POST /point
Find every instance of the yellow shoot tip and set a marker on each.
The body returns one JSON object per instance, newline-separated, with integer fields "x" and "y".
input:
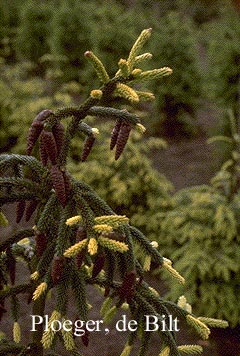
{"x": 126, "y": 92}
{"x": 173, "y": 272}
{"x": 200, "y": 327}
{"x": 95, "y": 131}
{"x": 166, "y": 260}
{"x": 88, "y": 53}
{"x": 140, "y": 128}
{"x": 123, "y": 66}
{"x": 92, "y": 246}
{"x": 182, "y": 303}
{"x": 154, "y": 244}
{"x": 165, "y": 351}
{"x": 73, "y": 220}
{"x": 154, "y": 291}
{"x": 98, "y": 66}
{"x": 127, "y": 350}
{"x": 125, "y": 306}
{"x": 39, "y": 290}
{"x": 34, "y": 276}
{"x": 112, "y": 220}
{"x": 75, "y": 249}
{"x": 16, "y": 332}
{"x": 113, "y": 244}
{"x": 190, "y": 349}
{"x": 96, "y": 94}
{"x": 137, "y": 47}
{"x": 3, "y": 219}
{"x": 101, "y": 228}
{"x": 147, "y": 263}
{"x": 214, "y": 323}
{"x": 136, "y": 72}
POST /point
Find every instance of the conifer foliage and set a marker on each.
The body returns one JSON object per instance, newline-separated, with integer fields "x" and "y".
{"x": 77, "y": 239}
{"x": 201, "y": 233}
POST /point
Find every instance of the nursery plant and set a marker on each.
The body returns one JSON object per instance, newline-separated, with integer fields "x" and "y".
{"x": 177, "y": 99}
{"x": 77, "y": 239}
{"x": 24, "y": 97}
{"x": 33, "y": 32}
{"x": 223, "y": 52}
{"x": 201, "y": 234}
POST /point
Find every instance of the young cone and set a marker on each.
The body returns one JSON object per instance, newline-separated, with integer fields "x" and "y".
{"x": 88, "y": 144}
{"x": 11, "y": 265}
{"x": 67, "y": 183}
{"x": 81, "y": 233}
{"x": 98, "y": 264}
{"x": 58, "y": 133}
{"x": 36, "y": 129}
{"x": 122, "y": 139}
{"x": 85, "y": 338}
{"x": 128, "y": 286}
{"x": 50, "y": 146}
{"x": 42, "y": 152}
{"x": 41, "y": 243}
{"x": 32, "y": 205}
{"x": 20, "y": 208}
{"x": 80, "y": 258}
{"x": 58, "y": 184}
{"x": 57, "y": 268}
{"x": 115, "y": 133}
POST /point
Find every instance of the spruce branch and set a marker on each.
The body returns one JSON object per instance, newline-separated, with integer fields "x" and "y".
{"x": 12, "y": 291}
{"x": 79, "y": 240}
{"x": 15, "y": 197}
{"x": 108, "y": 112}
{"x": 15, "y": 238}
{"x": 8, "y": 161}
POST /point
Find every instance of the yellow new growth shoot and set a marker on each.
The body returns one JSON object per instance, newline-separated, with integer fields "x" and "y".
{"x": 137, "y": 47}
{"x": 34, "y": 276}
{"x": 126, "y": 92}
{"x": 16, "y": 332}
{"x": 48, "y": 335}
{"x": 39, "y": 290}
{"x": 113, "y": 244}
{"x": 112, "y": 220}
{"x": 199, "y": 326}
{"x": 172, "y": 271}
{"x": 98, "y": 66}
{"x": 127, "y": 350}
{"x": 102, "y": 228}
{"x": 190, "y": 350}
{"x": 75, "y": 249}
{"x": 214, "y": 323}
{"x": 68, "y": 340}
{"x": 165, "y": 351}
{"x": 73, "y": 220}
{"x": 92, "y": 246}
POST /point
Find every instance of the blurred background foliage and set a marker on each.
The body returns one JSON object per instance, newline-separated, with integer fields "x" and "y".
{"x": 42, "y": 66}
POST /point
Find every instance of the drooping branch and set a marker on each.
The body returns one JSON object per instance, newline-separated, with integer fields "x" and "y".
{"x": 15, "y": 238}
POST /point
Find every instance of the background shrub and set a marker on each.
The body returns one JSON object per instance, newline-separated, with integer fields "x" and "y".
{"x": 177, "y": 99}
{"x": 202, "y": 234}
{"x": 33, "y": 32}
{"x": 224, "y": 60}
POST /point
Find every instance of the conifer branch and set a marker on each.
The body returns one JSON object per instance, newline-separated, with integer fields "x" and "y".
{"x": 79, "y": 240}
{"x": 12, "y": 291}
{"x": 15, "y": 238}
